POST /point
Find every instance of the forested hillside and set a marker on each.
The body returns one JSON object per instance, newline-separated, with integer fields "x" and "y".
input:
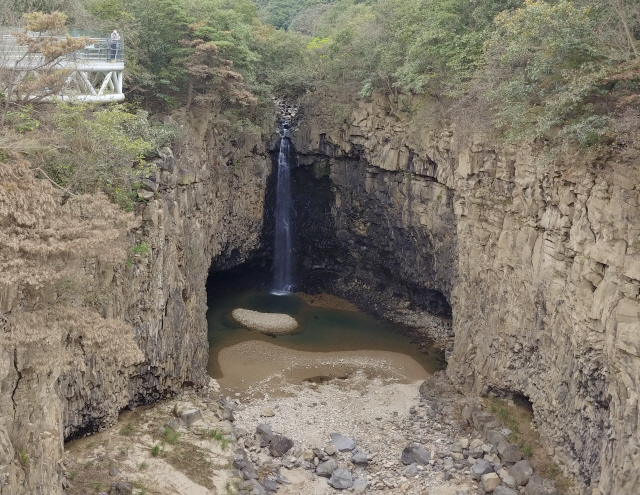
{"x": 561, "y": 73}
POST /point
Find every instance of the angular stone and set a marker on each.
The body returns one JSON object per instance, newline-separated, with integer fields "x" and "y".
{"x": 415, "y": 454}
{"x": 270, "y": 484}
{"x": 490, "y": 481}
{"x": 481, "y": 418}
{"x": 190, "y": 416}
{"x": 510, "y": 481}
{"x": 330, "y": 450}
{"x": 121, "y": 488}
{"x": 326, "y": 468}
{"x": 495, "y": 437}
{"x": 280, "y": 445}
{"x": 342, "y": 442}
{"x": 341, "y": 479}
{"x": 540, "y": 486}
{"x": 481, "y": 468}
{"x": 264, "y": 434}
{"x": 359, "y": 458}
{"x": 521, "y": 471}
{"x": 509, "y": 452}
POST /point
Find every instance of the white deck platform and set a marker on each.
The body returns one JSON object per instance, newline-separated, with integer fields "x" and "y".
{"x": 94, "y": 74}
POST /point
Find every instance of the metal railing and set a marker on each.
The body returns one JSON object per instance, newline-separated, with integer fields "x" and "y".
{"x": 96, "y": 50}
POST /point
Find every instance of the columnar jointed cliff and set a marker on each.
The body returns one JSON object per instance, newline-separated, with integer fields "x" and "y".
{"x": 100, "y": 309}
{"x": 546, "y": 279}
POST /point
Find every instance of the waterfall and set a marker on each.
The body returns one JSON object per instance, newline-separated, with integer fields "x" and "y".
{"x": 282, "y": 282}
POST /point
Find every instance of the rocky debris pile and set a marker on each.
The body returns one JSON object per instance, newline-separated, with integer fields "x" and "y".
{"x": 267, "y": 323}
{"x": 497, "y": 464}
{"x": 286, "y": 111}
{"x": 375, "y": 440}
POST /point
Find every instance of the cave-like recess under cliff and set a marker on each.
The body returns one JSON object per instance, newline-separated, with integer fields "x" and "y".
{"x": 372, "y": 249}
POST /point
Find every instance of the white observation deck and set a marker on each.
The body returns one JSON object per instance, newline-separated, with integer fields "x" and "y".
{"x": 94, "y": 73}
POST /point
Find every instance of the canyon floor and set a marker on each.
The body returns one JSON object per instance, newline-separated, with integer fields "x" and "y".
{"x": 371, "y": 397}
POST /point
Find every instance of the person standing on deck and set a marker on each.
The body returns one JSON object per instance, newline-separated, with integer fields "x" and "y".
{"x": 114, "y": 44}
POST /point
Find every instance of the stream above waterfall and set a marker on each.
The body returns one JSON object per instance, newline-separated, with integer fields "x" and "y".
{"x": 355, "y": 338}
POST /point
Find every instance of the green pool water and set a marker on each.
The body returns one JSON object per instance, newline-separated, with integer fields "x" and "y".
{"x": 320, "y": 329}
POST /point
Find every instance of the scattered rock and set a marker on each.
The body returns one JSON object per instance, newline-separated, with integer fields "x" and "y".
{"x": 490, "y": 481}
{"x": 326, "y": 468}
{"x": 264, "y": 434}
{"x": 267, "y": 413}
{"x": 481, "y": 468}
{"x": 509, "y": 452}
{"x": 191, "y": 416}
{"x": 280, "y": 445}
{"x": 341, "y": 479}
{"x": 521, "y": 471}
{"x": 415, "y": 454}
{"x": 359, "y": 458}
{"x": 114, "y": 471}
{"x": 342, "y": 443}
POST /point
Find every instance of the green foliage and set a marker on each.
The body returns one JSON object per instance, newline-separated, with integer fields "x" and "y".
{"x": 21, "y": 119}
{"x": 214, "y": 434}
{"x": 24, "y": 457}
{"x": 105, "y": 149}
{"x": 155, "y": 450}
{"x": 143, "y": 465}
{"x": 170, "y": 435}
{"x": 127, "y": 429}
{"x": 141, "y": 248}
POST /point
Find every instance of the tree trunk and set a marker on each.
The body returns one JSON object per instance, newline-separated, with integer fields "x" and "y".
{"x": 189, "y": 92}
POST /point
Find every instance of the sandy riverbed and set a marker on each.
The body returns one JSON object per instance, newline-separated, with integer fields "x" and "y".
{"x": 249, "y": 364}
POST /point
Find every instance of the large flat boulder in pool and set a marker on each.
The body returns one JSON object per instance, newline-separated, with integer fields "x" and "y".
{"x": 269, "y": 323}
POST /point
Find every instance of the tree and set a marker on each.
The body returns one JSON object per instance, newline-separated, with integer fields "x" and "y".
{"x": 30, "y": 63}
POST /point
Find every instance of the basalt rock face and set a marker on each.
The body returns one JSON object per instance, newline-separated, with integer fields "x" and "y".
{"x": 102, "y": 309}
{"x": 541, "y": 265}
{"x": 376, "y": 234}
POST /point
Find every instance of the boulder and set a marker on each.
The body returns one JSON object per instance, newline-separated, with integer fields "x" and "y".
{"x": 270, "y": 484}
{"x": 360, "y": 458}
{"x": 481, "y": 418}
{"x": 490, "y": 481}
{"x": 509, "y": 452}
{"x": 495, "y": 436}
{"x": 415, "y": 454}
{"x": 540, "y": 486}
{"x": 264, "y": 434}
{"x": 246, "y": 468}
{"x": 481, "y": 468}
{"x": 280, "y": 445}
{"x": 342, "y": 442}
{"x": 326, "y": 468}
{"x": 521, "y": 471}
{"x": 190, "y": 416}
{"x": 341, "y": 479}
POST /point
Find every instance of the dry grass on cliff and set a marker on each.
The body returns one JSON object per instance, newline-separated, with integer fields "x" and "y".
{"x": 519, "y": 419}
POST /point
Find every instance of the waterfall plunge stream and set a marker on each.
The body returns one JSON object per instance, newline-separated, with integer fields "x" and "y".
{"x": 282, "y": 283}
